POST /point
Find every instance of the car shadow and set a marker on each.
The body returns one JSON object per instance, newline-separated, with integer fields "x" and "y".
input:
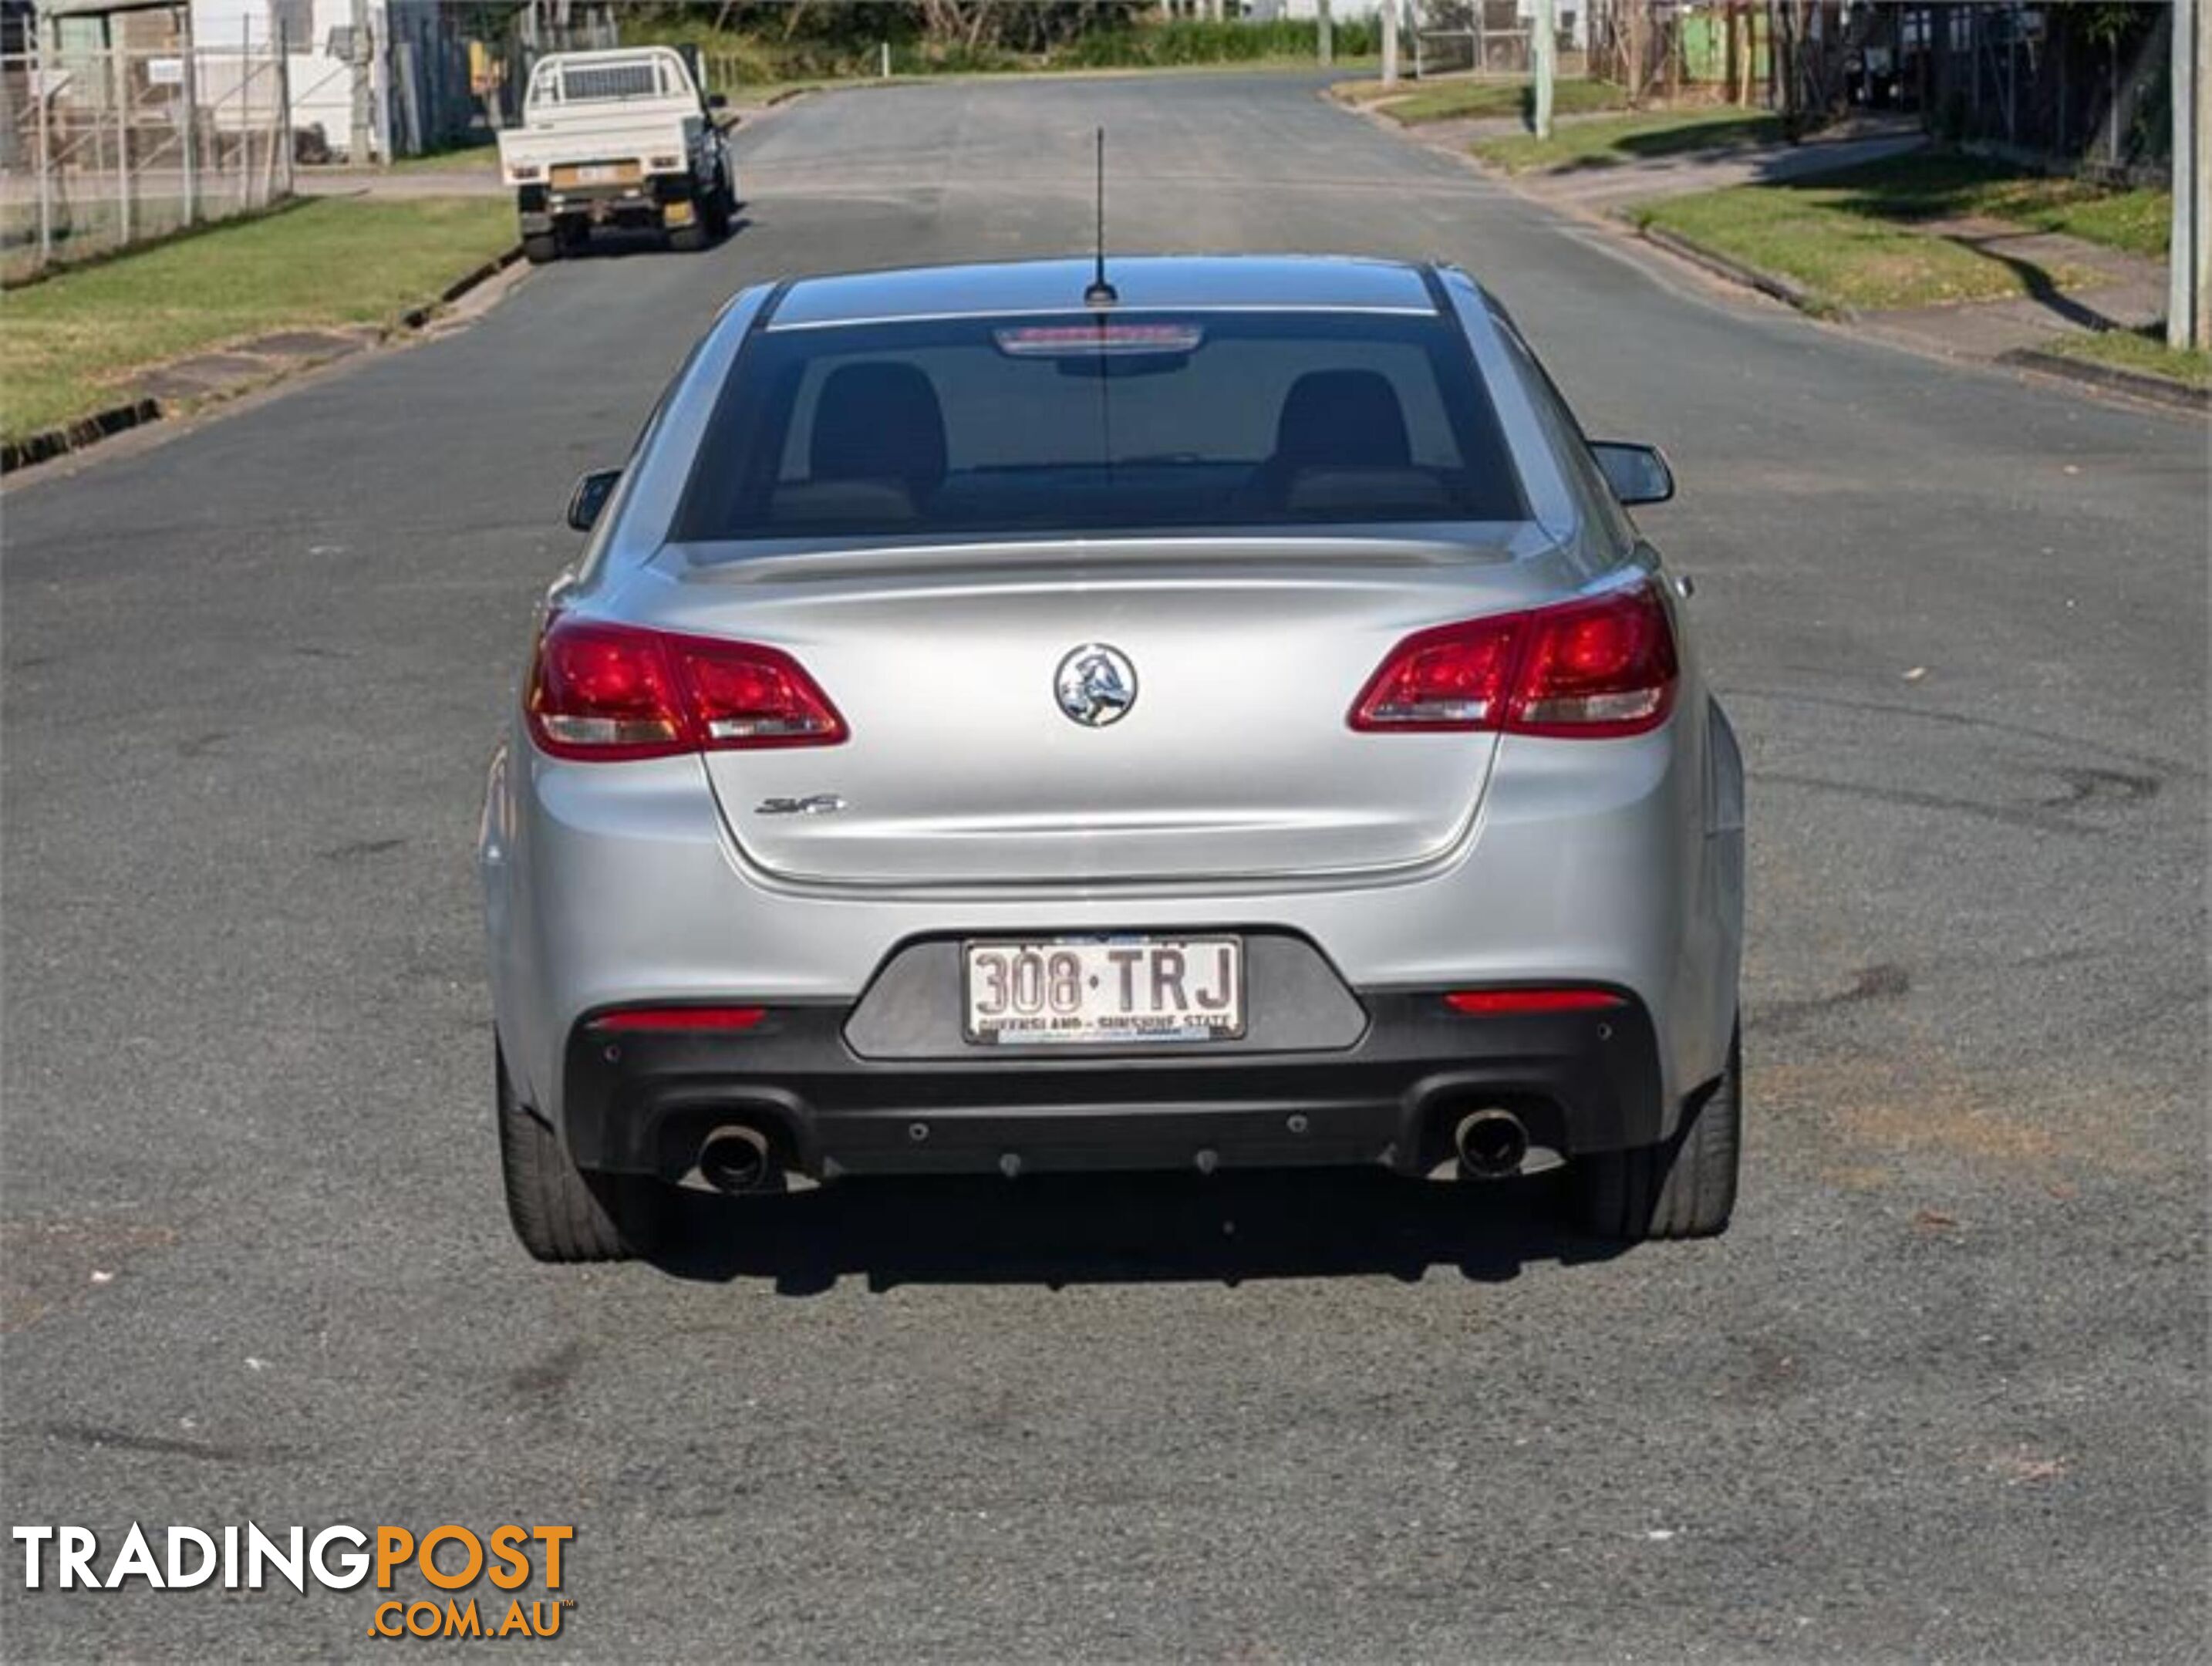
{"x": 621, "y": 242}
{"x": 1056, "y": 1229}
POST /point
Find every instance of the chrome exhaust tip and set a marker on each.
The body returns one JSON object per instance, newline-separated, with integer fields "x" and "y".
{"x": 1491, "y": 1143}
{"x": 736, "y": 1158}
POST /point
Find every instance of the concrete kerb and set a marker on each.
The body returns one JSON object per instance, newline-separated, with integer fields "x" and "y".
{"x": 1736, "y": 271}
{"x": 2114, "y": 378}
{"x": 50, "y": 443}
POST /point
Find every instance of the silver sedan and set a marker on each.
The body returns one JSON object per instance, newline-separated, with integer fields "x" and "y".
{"x": 1218, "y": 716}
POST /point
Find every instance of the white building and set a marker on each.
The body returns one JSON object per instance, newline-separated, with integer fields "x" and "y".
{"x": 321, "y": 84}
{"x": 430, "y": 63}
{"x": 1339, "y": 11}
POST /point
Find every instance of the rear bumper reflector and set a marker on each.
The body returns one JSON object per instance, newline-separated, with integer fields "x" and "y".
{"x": 1532, "y": 1001}
{"x": 681, "y": 1018}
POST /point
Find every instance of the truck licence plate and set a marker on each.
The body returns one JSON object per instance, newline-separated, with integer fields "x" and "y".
{"x": 596, "y": 174}
{"x": 1094, "y": 990}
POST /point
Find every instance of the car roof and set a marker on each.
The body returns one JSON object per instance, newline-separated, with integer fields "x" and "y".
{"x": 1154, "y": 283}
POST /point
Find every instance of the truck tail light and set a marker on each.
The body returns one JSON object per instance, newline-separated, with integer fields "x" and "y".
{"x": 1588, "y": 669}
{"x": 606, "y": 692}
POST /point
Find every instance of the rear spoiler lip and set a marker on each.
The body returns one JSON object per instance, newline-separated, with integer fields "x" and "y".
{"x": 1425, "y": 543}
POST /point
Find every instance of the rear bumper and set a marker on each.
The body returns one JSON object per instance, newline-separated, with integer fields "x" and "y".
{"x": 645, "y": 201}
{"x": 642, "y": 1102}
{"x": 612, "y": 884}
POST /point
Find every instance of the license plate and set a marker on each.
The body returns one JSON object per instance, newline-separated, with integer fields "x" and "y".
{"x": 595, "y": 174}
{"x": 1095, "y": 990}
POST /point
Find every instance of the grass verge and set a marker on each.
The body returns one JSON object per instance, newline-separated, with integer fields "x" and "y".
{"x": 1845, "y": 259}
{"x": 72, "y": 343}
{"x": 1471, "y": 100}
{"x": 1936, "y": 186}
{"x": 2143, "y": 351}
{"x": 1631, "y": 138}
{"x": 1871, "y": 237}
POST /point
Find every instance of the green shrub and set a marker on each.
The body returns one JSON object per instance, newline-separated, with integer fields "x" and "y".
{"x": 848, "y": 39}
{"x": 1186, "y": 41}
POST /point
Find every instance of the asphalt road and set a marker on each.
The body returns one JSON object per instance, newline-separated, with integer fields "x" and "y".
{"x": 1941, "y": 1392}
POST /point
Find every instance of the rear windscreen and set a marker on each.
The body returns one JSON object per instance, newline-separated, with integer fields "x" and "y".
{"x": 1092, "y": 423}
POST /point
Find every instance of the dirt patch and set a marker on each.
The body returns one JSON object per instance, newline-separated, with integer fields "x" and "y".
{"x": 2025, "y": 1466}
{"x": 1858, "y": 1176}
{"x": 47, "y": 1265}
{"x": 1904, "y": 1107}
{"x": 1872, "y": 1115}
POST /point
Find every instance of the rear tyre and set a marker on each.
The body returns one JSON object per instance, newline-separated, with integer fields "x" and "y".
{"x": 540, "y": 247}
{"x": 559, "y": 1211}
{"x": 1681, "y": 1188}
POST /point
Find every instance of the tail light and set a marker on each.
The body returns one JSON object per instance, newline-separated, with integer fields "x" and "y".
{"x": 1588, "y": 669}
{"x": 1456, "y": 677}
{"x": 1605, "y": 666}
{"x": 609, "y": 692}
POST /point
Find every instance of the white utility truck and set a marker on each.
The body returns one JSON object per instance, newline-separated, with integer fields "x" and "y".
{"x": 617, "y": 138}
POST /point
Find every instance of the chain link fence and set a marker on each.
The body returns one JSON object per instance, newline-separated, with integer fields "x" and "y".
{"x": 1473, "y": 51}
{"x": 104, "y": 147}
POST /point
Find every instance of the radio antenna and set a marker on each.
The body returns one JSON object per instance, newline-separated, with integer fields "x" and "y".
{"x": 1099, "y": 292}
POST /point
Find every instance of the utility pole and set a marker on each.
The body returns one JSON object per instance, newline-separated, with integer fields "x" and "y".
{"x": 364, "y": 91}
{"x": 1545, "y": 51}
{"x": 1324, "y": 35}
{"x": 118, "y": 63}
{"x": 1390, "y": 43}
{"x": 2189, "y": 290}
{"x": 42, "y": 102}
{"x": 284, "y": 100}
{"x": 190, "y": 64}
